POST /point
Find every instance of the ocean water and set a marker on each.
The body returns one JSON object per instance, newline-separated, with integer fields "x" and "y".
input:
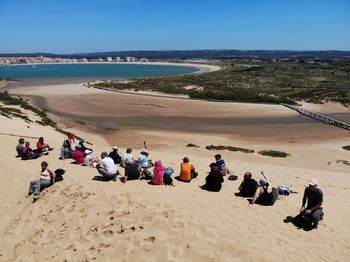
{"x": 99, "y": 71}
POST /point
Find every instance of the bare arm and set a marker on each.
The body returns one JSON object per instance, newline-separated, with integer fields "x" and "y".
{"x": 257, "y": 194}
{"x": 53, "y": 175}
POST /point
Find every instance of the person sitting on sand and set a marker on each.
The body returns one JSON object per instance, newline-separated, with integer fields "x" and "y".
{"x": 132, "y": 172}
{"x": 20, "y": 146}
{"x": 78, "y": 155}
{"x": 220, "y": 165}
{"x": 115, "y": 155}
{"x": 106, "y": 167}
{"x": 143, "y": 159}
{"x": 214, "y": 180}
{"x": 248, "y": 186}
{"x": 89, "y": 159}
{"x": 47, "y": 178}
{"x": 83, "y": 147}
{"x": 66, "y": 150}
{"x": 262, "y": 195}
{"x": 314, "y": 198}
{"x": 127, "y": 157}
{"x": 28, "y": 153}
{"x": 42, "y": 146}
{"x": 187, "y": 170}
{"x": 158, "y": 174}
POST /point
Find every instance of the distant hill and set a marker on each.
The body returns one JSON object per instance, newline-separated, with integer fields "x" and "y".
{"x": 205, "y": 54}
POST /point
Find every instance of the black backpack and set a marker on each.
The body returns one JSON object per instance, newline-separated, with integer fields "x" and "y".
{"x": 302, "y": 221}
{"x": 59, "y": 172}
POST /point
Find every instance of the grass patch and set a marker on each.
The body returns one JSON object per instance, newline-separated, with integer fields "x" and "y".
{"x": 80, "y": 122}
{"x": 345, "y": 162}
{"x": 110, "y": 129}
{"x": 273, "y": 153}
{"x": 191, "y": 145}
{"x": 229, "y": 148}
{"x": 346, "y": 148}
{"x": 13, "y": 112}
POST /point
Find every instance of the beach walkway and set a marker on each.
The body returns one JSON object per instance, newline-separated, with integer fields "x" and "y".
{"x": 319, "y": 117}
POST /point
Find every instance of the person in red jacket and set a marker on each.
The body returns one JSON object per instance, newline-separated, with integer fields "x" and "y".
{"x": 41, "y": 146}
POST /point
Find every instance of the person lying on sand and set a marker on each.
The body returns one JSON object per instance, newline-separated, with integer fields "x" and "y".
{"x": 114, "y": 154}
{"x": 20, "y": 146}
{"x": 262, "y": 195}
{"x": 132, "y": 172}
{"x": 220, "y": 165}
{"x": 28, "y": 153}
{"x": 248, "y": 186}
{"x": 214, "y": 180}
{"x": 187, "y": 171}
{"x": 42, "y": 146}
{"x": 47, "y": 178}
{"x": 106, "y": 167}
{"x": 314, "y": 198}
{"x": 66, "y": 150}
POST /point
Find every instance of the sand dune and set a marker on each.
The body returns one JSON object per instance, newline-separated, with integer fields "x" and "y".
{"x": 80, "y": 219}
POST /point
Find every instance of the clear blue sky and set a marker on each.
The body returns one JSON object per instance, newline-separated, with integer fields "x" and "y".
{"x": 70, "y": 26}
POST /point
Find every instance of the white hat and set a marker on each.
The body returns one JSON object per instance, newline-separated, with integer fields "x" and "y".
{"x": 115, "y": 148}
{"x": 263, "y": 182}
{"x": 313, "y": 182}
{"x": 87, "y": 152}
{"x": 144, "y": 151}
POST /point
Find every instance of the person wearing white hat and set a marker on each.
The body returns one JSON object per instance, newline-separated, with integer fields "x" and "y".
{"x": 114, "y": 154}
{"x": 143, "y": 159}
{"x": 314, "y": 198}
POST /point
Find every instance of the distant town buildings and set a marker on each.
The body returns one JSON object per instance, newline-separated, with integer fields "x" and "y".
{"x": 59, "y": 60}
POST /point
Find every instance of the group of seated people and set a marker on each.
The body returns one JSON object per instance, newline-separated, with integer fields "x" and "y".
{"x": 260, "y": 193}
{"x": 26, "y": 152}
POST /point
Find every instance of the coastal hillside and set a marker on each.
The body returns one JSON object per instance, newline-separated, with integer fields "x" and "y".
{"x": 80, "y": 219}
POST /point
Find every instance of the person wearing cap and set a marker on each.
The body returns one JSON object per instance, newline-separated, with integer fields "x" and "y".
{"x": 106, "y": 167}
{"x": 115, "y": 155}
{"x": 78, "y": 155}
{"x": 214, "y": 180}
{"x": 262, "y": 195}
{"x": 248, "y": 186}
{"x": 220, "y": 165}
{"x": 314, "y": 198}
{"x": 187, "y": 170}
{"x": 143, "y": 159}
{"x": 127, "y": 157}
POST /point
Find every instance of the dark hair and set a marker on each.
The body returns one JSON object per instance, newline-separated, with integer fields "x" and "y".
{"x": 41, "y": 138}
{"x": 128, "y": 150}
{"x": 21, "y": 140}
{"x": 218, "y": 156}
{"x": 185, "y": 159}
{"x": 44, "y": 163}
{"x": 104, "y": 154}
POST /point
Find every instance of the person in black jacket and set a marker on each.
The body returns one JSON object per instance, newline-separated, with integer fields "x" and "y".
{"x": 115, "y": 155}
{"x": 214, "y": 179}
{"x": 248, "y": 186}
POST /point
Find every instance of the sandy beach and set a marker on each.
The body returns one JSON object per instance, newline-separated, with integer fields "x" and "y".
{"x": 80, "y": 219}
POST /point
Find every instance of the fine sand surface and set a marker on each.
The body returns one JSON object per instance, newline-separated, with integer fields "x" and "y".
{"x": 80, "y": 219}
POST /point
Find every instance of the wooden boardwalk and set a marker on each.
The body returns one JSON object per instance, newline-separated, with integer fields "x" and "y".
{"x": 319, "y": 117}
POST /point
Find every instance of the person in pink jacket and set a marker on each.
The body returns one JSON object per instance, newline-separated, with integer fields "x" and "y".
{"x": 158, "y": 173}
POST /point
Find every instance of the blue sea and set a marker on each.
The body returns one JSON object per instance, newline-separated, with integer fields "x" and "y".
{"x": 98, "y": 71}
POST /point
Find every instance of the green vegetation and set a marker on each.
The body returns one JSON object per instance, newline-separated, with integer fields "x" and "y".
{"x": 110, "y": 129}
{"x": 229, "y": 148}
{"x": 13, "y": 112}
{"x": 6, "y": 99}
{"x": 346, "y": 148}
{"x": 284, "y": 81}
{"x": 345, "y": 162}
{"x": 191, "y": 145}
{"x": 273, "y": 153}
